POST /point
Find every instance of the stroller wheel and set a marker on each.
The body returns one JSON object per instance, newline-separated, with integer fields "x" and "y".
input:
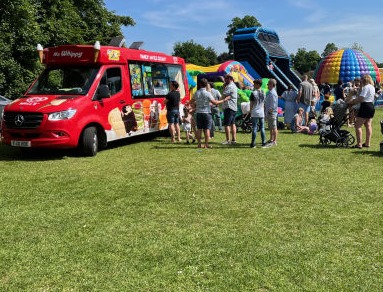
{"x": 339, "y": 143}
{"x": 324, "y": 141}
{"x": 248, "y": 129}
{"x": 350, "y": 140}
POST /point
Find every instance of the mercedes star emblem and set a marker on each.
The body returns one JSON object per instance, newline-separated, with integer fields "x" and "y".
{"x": 19, "y": 120}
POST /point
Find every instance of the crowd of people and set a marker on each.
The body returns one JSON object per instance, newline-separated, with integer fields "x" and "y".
{"x": 202, "y": 114}
{"x": 358, "y": 95}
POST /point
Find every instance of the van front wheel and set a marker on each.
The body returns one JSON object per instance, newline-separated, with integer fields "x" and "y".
{"x": 89, "y": 142}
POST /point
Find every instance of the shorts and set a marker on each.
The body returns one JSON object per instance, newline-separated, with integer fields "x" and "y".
{"x": 229, "y": 117}
{"x": 173, "y": 117}
{"x": 366, "y": 110}
{"x": 272, "y": 120}
{"x": 186, "y": 126}
{"x": 204, "y": 121}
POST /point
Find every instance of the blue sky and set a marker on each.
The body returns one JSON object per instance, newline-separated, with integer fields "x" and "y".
{"x": 299, "y": 23}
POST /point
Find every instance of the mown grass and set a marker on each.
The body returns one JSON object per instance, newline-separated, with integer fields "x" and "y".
{"x": 156, "y": 216}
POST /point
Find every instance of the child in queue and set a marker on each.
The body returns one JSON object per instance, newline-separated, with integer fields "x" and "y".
{"x": 187, "y": 122}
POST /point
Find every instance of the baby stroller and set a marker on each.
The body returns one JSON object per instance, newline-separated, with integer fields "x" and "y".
{"x": 331, "y": 129}
{"x": 244, "y": 123}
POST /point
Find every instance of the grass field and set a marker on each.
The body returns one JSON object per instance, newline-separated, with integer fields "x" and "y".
{"x": 156, "y": 216}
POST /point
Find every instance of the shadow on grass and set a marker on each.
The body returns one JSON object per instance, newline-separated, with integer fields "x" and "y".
{"x": 363, "y": 151}
{"x": 318, "y": 146}
{"x": 368, "y": 152}
{"x": 167, "y": 145}
{"x": 8, "y": 153}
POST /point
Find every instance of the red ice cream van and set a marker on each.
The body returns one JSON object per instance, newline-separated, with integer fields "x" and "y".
{"x": 88, "y": 96}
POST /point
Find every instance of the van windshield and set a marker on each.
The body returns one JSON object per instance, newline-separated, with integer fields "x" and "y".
{"x": 64, "y": 80}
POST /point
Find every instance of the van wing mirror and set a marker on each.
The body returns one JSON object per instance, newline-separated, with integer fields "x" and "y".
{"x": 103, "y": 91}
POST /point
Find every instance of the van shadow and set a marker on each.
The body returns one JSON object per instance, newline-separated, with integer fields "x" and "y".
{"x": 8, "y": 153}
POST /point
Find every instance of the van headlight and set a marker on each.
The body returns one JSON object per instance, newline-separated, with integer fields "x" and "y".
{"x": 63, "y": 115}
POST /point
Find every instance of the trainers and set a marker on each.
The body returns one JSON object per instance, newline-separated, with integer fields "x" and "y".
{"x": 252, "y": 146}
{"x": 271, "y": 144}
{"x": 226, "y": 143}
{"x": 233, "y": 142}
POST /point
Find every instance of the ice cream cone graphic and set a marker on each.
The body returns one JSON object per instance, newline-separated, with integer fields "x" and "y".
{"x": 40, "y": 50}
{"x": 96, "y": 50}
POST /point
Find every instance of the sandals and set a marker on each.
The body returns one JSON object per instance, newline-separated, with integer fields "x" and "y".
{"x": 364, "y": 145}
{"x": 357, "y": 147}
{"x": 205, "y": 147}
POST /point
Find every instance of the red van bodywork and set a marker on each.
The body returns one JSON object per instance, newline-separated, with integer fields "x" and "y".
{"x": 86, "y": 98}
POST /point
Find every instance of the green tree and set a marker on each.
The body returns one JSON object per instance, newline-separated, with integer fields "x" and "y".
{"x": 330, "y": 47}
{"x": 236, "y": 23}
{"x": 223, "y": 57}
{"x": 195, "y": 53}
{"x": 304, "y": 61}
{"x": 24, "y": 23}
{"x": 357, "y": 46}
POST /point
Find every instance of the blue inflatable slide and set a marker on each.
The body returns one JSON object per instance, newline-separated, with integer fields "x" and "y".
{"x": 259, "y": 49}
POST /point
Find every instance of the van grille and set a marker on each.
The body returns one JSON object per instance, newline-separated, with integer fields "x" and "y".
{"x": 15, "y": 120}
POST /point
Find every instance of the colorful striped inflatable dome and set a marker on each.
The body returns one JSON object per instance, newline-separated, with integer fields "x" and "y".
{"x": 345, "y": 65}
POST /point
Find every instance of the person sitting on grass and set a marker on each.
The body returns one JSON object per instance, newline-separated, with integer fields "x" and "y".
{"x": 297, "y": 123}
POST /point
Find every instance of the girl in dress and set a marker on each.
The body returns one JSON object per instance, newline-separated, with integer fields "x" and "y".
{"x": 290, "y": 98}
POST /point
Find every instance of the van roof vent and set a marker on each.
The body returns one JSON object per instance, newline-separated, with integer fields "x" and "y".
{"x": 118, "y": 41}
{"x": 136, "y": 45}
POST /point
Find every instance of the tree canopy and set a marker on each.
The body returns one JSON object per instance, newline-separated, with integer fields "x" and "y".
{"x": 195, "y": 53}
{"x": 330, "y": 47}
{"x": 25, "y": 23}
{"x": 236, "y": 23}
{"x": 304, "y": 61}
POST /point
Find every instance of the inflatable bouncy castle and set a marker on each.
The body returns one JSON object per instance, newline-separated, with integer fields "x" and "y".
{"x": 234, "y": 68}
{"x": 346, "y": 65}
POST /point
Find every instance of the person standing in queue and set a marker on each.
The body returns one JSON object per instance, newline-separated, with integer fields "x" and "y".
{"x": 257, "y": 110}
{"x": 172, "y": 102}
{"x": 304, "y": 97}
{"x": 271, "y": 112}
{"x": 366, "y": 112}
{"x": 202, "y": 100}
{"x": 230, "y": 95}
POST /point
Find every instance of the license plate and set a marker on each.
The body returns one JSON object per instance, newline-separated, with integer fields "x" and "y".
{"x": 21, "y": 143}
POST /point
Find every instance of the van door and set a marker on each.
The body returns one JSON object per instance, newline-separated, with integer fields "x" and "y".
{"x": 110, "y": 102}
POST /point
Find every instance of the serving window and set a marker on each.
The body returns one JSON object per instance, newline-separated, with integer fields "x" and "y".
{"x": 153, "y": 79}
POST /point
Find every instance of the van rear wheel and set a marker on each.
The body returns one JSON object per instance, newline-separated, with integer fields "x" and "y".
{"x": 89, "y": 142}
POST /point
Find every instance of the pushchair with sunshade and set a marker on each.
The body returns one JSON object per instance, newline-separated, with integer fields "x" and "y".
{"x": 243, "y": 121}
{"x": 331, "y": 131}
